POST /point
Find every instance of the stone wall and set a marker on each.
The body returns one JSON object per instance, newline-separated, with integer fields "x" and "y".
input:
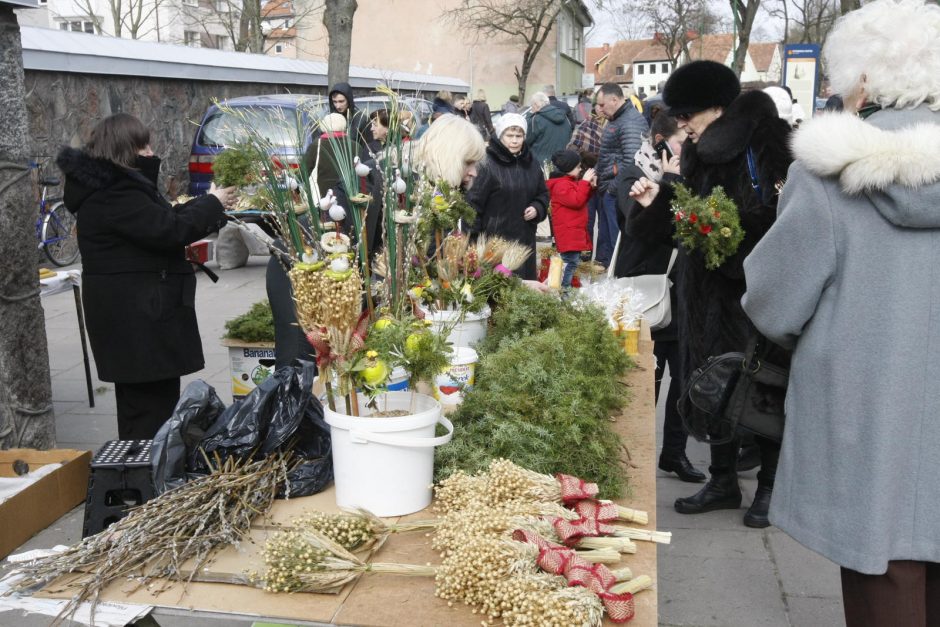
{"x": 64, "y": 107}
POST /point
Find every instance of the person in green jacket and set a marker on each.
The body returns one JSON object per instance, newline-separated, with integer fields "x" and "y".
{"x": 549, "y": 129}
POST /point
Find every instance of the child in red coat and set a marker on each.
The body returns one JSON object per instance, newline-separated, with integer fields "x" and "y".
{"x": 569, "y": 196}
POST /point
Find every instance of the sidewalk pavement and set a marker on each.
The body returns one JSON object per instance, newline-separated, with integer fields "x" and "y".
{"x": 716, "y": 572}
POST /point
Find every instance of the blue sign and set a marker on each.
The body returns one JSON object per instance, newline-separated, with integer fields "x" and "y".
{"x": 801, "y": 73}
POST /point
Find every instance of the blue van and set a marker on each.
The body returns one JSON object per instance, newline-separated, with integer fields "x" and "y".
{"x": 279, "y": 118}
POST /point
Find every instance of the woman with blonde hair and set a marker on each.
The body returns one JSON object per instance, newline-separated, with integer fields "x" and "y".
{"x": 847, "y": 277}
{"x": 450, "y": 151}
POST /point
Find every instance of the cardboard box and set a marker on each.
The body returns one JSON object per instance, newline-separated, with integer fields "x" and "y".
{"x": 250, "y": 363}
{"x": 30, "y": 511}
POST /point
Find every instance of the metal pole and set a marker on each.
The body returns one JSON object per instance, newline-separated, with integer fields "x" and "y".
{"x": 77, "y": 292}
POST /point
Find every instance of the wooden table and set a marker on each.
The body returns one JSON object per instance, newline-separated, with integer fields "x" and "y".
{"x": 390, "y": 600}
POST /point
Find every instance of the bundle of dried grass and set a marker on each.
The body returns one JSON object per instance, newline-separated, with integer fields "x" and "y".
{"x": 155, "y": 540}
{"x": 307, "y": 561}
{"x": 358, "y": 529}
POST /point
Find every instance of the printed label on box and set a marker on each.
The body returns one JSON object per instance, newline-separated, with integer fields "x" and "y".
{"x": 250, "y": 365}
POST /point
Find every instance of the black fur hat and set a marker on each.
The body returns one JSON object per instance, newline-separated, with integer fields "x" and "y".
{"x": 700, "y": 85}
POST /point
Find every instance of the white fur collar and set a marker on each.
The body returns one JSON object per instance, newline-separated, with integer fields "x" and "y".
{"x": 866, "y": 157}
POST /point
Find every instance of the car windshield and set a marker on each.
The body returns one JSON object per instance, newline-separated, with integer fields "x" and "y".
{"x": 276, "y": 127}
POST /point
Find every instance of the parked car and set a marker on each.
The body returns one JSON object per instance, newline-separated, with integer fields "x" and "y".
{"x": 286, "y": 122}
{"x": 421, "y": 108}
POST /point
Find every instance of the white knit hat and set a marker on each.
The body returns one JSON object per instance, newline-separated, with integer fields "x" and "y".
{"x": 783, "y": 101}
{"x": 508, "y": 120}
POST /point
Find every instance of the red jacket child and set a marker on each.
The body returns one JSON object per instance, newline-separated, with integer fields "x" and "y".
{"x": 569, "y": 196}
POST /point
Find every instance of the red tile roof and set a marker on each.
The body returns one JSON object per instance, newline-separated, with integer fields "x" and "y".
{"x": 762, "y": 54}
{"x": 712, "y": 48}
{"x": 277, "y": 8}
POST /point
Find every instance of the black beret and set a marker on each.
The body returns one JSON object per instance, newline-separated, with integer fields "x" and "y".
{"x": 566, "y": 160}
{"x": 700, "y": 85}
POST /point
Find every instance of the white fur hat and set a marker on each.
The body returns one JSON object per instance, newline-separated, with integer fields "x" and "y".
{"x": 333, "y": 122}
{"x": 783, "y": 101}
{"x": 508, "y": 120}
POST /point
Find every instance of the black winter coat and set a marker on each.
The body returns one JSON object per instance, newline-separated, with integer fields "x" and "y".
{"x": 139, "y": 290}
{"x": 505, "y": 186}
{"x": 710, "y": 318}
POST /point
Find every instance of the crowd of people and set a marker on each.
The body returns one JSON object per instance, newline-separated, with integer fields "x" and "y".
{"x": 841, "y": 223}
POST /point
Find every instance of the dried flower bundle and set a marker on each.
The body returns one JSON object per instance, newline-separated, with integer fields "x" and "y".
{"x": 506, "y": 481}
{"x": 156, "y": 539}
{"x": 357, "y": 530}
{"x": 308, "y": 561}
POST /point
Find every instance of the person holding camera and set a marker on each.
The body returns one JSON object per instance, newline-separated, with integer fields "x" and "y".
{"x": 139, "y": 290}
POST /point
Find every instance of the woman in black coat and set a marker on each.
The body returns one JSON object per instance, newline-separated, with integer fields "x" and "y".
{"x": 654, "y": 252}
{"x": 139, "y": 290}
{"x": 509, "y": 193}
{"x": 723, "y": 129}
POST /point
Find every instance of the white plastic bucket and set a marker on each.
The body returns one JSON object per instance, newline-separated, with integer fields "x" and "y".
{"x": 449, "y": 385}
{"x": 386, "y": 465}
{"x": 467, "y": 332}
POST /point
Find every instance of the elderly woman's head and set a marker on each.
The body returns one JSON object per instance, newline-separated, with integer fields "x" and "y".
{"x": 888, "y": 53}
{"x": 538, "y": 100}
{"x": 450, "y": 150}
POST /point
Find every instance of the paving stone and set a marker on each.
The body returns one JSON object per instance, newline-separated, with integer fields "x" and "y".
{"x": 815, "y": 612}
{"x": 719, "y": 592}
{"x": 803, "y": 572}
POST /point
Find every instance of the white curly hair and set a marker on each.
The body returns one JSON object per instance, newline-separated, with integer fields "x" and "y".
{"x": 896, "y": 45}
{"x": 448, "y": 147}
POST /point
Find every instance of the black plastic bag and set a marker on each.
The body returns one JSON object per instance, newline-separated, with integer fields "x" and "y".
{"x": 178, "y": 440}
{"x": 281, "y": 414}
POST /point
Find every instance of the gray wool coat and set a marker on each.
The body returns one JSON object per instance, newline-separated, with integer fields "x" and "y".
{"x": 849, "y": 276}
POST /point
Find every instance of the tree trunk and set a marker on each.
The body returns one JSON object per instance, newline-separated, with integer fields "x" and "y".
{"x": 744, "y": 14}
{"x": 26, "y": 417}
{"x": 521, "y": 79}
{"x": 338, "y": 19}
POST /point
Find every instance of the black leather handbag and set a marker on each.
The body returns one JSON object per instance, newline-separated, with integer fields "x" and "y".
{"x": 738, "y": 392}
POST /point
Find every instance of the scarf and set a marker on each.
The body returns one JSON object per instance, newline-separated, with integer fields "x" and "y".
{"x": 647, "y": 160}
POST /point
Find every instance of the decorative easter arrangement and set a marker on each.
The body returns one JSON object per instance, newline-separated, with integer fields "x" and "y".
{"x": 709, "y": 225}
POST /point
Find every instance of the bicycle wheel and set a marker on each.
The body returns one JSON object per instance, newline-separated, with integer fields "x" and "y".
{"x": 59, "y": 236}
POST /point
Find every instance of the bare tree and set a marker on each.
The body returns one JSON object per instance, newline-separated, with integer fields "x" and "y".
{"x": 132, "y": 18}
{"x": 806, "y": 21}
{"x": 673, "y": 23}
{"x": 26, "y": 416}
{"x": 338, "y": 19}
{"x": 744, "y": 12}
{"x": 528, "y": 22}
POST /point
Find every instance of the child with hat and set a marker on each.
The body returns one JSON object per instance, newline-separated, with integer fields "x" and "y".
{"x": 570, "y": 192}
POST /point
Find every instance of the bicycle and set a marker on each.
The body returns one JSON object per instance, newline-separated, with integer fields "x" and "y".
{"x": 56, "y": 228}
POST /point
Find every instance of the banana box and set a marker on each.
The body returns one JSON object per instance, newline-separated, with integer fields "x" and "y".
{"x": 250, "y": 363}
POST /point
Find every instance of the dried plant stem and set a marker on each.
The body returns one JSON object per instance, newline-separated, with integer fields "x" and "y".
{"x": 633, "y": 586}
{"x": 181, "y": 526}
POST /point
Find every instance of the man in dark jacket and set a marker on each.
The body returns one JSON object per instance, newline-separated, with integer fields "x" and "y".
{"x": 342, "y": 102}
{"x": 549, "y": 129}
{"x": 620, "y": 142}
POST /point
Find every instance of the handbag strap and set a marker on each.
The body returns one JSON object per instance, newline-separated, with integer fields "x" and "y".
{"x": 613, "y": 258}
{"x": 672, "y": 261}
{"x": 752, "y": 170}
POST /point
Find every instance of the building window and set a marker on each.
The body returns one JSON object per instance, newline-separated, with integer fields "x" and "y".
{"x": 191, "y": 3}
{"x": 221, "y": 42}
{"x": 78, "y": 26}
{"x": 222, "y": 6}
{"x": 192, "y": 38}
{"x": 43, "y": 1}
{"x": 640, "y": 69}
{"x": 665, "y": 68}
{"x": 278, "y": 48}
